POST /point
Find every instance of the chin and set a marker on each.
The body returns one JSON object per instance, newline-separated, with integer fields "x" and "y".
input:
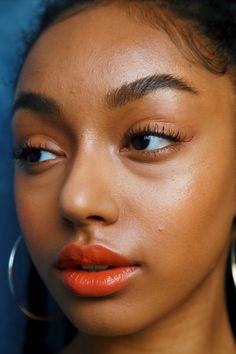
{"x": 115, "y": 315}
{"x": 104, "y": 329}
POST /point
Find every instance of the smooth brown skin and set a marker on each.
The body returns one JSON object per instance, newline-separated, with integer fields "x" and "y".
{"x": 172, "y": 213}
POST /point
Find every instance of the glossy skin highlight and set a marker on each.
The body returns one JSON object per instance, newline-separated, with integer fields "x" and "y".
{"x": 170, "y": 212}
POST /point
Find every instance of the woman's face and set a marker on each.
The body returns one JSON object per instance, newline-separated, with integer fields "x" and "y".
{"x": 135, "y": 160}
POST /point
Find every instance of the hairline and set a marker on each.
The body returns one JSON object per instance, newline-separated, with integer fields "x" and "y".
{"x": 147, "y": 13}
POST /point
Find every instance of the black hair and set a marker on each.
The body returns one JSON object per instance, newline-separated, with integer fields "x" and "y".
{"x": 208, "y": 27}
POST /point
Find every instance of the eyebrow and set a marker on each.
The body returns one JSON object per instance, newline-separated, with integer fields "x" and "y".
{"x": 137, "y": 89}
{"x": 128, "y": 92}
{"x": 36, "y": 102}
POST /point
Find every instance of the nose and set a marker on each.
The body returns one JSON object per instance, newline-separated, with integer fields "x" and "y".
{"x": 86, "y": 196}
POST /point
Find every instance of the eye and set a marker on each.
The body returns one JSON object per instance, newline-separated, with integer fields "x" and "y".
{"x": 27, "y": 154}
{"x": 36, "y": 155}
{"x": 151, "y": 138}
{"x": 153, "y": 141}
{"x": 148, "y": 142}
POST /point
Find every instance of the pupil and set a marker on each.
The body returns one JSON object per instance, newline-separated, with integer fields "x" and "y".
{"x": 141, "y": 142}
{"x": 33, "y": 155}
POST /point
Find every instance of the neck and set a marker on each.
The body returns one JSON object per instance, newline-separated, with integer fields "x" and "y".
{"x": 200, "y": 325}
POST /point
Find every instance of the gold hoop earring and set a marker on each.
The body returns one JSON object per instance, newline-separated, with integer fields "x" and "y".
{"x": 233, "y": 264}
{"x": 23, "y": 308}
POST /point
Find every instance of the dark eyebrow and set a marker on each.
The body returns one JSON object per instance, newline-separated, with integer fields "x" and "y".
{"x": 36, "y": 102}
{"x": 130, "y": 92}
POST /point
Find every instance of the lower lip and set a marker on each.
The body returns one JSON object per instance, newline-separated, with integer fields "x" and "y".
{"x": 97, "y": 284}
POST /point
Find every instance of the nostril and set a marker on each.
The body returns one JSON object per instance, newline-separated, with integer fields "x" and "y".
{"x": 70, "y": 224}
{"x": 96, "y": 218}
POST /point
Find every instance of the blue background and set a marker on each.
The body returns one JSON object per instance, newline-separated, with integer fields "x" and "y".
{"x": 15, "y": 16}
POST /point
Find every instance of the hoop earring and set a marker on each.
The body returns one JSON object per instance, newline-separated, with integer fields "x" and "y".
{"x": 26, "y": 311}
{"x": 233, "y": 264}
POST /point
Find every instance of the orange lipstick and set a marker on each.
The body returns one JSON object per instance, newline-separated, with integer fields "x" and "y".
{"x": 94, "y": 270}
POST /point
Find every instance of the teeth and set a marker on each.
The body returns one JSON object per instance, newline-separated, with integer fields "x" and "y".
{"x": 93, "y": 268}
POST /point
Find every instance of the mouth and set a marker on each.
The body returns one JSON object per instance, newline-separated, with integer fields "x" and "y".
{"x": 93, "y": 270}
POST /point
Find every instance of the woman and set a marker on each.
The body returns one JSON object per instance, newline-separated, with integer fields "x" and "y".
{"x": 124, "y": 140}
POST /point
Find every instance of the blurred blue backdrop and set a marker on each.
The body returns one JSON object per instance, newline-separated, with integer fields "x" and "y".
{"x": 15, "y": 16}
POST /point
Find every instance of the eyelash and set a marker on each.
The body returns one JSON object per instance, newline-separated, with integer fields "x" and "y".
{"x": 150, "y": 130}
{"x": 20, "y": 151}
{"x": 163, "y": 132}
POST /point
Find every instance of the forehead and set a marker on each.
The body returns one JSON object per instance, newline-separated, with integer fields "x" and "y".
{"x": 104, "y": 47}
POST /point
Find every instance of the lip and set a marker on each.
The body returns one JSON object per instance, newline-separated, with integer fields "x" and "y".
{"x": 93, "y": 283}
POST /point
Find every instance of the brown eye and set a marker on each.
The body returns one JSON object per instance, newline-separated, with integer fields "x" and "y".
{"x": 34, "y": 155}
{"x": 31, "y": 155}
{"x": 148, "y": 142}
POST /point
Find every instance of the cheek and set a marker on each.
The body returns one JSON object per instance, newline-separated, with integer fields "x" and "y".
{"x": 186, "y": 220}
{"x": 37, "y": 209}
{"x": 181, "y": 228}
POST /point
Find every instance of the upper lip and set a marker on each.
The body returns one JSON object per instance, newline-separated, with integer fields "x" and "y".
{"x": 75, "y": 255}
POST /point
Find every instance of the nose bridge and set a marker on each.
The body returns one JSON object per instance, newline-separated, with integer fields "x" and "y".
{"x": 86, "y": 194}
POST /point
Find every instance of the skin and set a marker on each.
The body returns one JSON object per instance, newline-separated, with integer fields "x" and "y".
{"x": 171, "y": 213}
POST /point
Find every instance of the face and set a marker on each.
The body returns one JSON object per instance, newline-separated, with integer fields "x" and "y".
{"x": 121, "y": 154}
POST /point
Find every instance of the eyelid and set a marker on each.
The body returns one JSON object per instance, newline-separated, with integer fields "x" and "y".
{"x": 154, "y": 128}
{"x": 149, "y": 156}
{"x": 41, "y": 143}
